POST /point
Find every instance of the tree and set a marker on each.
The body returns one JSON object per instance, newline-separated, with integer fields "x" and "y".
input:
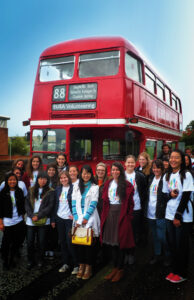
{"x": 188, "y": 134}
{"x": 18, "y": 145}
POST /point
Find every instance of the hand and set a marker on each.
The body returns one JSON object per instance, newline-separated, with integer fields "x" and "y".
{"x": 53, "y": 225}
{"x": 77, "y": 225}
{"x": 174, "y": 193}
{"x": 71, "y": 217}
{"x": 176, "y": 222}
{"x": 35, "y": 218}
{"x": 84, "y": 222}
{"x": 2, "y": 227}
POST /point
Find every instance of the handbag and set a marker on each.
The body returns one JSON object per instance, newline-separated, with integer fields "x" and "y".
{"x": 40, "y": 222}
{"x": 82, "y": 236}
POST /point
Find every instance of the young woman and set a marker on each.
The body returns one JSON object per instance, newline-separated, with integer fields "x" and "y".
{"x": 144, "y": 164}
{"x": 165, "y": 161}
{"x": 33, "y": 168}
{"x": 20, "y": 164}
{"x": 116, "y": 227}
{"x": 137, "y": 179}
{"x": 101, "y": 178}
{"x": 52, "y": 172}
{"x": 178, "y": 185}
{"x": 84, "y": 203}
{"x": 74, "y": 174}
{"x": 155, "y": 212}
{"x": 63, "y": 219}
{"x": 61, "y": 162}
{"x": 39, "y": 205}
{"x": 11, "y": 219}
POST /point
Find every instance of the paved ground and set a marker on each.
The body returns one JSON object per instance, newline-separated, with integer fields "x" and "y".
{"x": 141, "y": 282}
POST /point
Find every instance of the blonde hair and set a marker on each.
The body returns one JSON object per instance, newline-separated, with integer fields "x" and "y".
{"x": 147, "y": 168}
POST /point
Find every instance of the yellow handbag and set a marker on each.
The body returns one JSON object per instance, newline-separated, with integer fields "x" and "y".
{"x": 82, "y": 236}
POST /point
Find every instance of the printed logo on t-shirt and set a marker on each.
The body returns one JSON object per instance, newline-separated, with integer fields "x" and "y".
{"x": 63, "y": 197}
{"x": 173, "y": 184}
{"x": 154, "y": 189}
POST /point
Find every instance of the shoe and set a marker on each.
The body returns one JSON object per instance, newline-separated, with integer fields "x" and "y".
{"x": 64, "y": 268}
{"x": 169, "y": 276}
{"x": 177, "y": 279}
{"x": 118, "y": 276}
{"x": 51, "y": 255}
{"x": 75, "y": 271}
{"x": 81, "y": 271}
{"x": 112, "y": 274}
{"x": 87, "y": 273}
{"x": 131, "y": 259}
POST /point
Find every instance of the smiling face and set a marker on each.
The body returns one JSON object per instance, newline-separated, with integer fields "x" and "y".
{"x": 142, "y": 161}
{"x": 130, "y": 165}
{"x": 35, "y": 163}
{"x": 86, "y": 176}
{"x": 115, "y": 172}
{"x": 100, "y": 172}
{"x": 12, "y": 182}
{"x": 175, "y": 161}
{"x": 20, "y": 164}
{"x": 157, "y": 171}
{"x": 61, "y": 160}
{"x": 73, "y": 173}
{"x": 42, "y": 182}
{"x": 64, "y": 180}
{"x": 51, "y": 172}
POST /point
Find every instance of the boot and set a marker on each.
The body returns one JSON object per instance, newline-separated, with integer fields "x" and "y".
{"x": 81, "y": 271}
{"x": 118, "y": 275}
{"x": 112, "y": 274}
{"x": 87, "y": 273}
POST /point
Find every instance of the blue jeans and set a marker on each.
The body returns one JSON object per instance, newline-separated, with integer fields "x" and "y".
{"x": 158, "y": 229}
{"x": 178, "y": 239}
{"x": 64, "y": 227}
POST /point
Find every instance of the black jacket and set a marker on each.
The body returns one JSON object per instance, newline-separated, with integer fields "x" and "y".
{"x": 6, "y": 206}
{"x": 162, "y": 199}
{"x": 141, "y": 187}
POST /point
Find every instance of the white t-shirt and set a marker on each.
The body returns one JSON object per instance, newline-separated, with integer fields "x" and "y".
{"x": 136, "y": 198}
{"x": 36, "y": 209}
{"x": 21, "y": 185}
{"x": 15, "y": 218}
{"x": 33, "y": 180}
{"x": 172, "y": 205}
{"x": 112, "y": 193}
{"x": 63, "y": 209}
{"x": 153, "y": 198}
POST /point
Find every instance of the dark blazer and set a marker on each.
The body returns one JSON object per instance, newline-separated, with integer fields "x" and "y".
{"x": 162, "y": 199}
{"x": 141, "y": 187}
{"x": 6, "y": 206}
{"x": 46, "y": 206}
{"x": 58, "y": 191}
{"x": 125, "y": 231}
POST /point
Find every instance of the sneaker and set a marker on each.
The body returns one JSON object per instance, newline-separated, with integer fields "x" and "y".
{"x": 64, "y": 268}
{"x": 177, "y": 279}
{"x": 75, "y": 271}
{"x": 169, "y": 276}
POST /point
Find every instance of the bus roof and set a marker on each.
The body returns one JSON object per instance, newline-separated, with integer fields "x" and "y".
{"x": 91, "y": 43}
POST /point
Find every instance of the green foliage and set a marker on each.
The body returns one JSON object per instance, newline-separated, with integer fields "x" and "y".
{"x": 188, "y": 135}
{"x": 18, "y": 145}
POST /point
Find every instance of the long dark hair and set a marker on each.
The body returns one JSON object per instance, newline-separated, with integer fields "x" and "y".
{"x": 30, "y": 170}
{"x": 159, "y": 164}
{"x": 182, "y": 166}
{"x": 81, "y": 182}
{"x": 45, "y": 189}
{"x": 121, "y": 189}
{"x": 6, "y": 187}
{"x": 54, "y": 179}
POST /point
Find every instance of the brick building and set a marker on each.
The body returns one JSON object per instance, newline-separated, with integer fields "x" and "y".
{"x": 3, "y": 135}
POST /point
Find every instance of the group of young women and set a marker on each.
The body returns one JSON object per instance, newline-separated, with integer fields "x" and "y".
{"x": 120, "y": 210}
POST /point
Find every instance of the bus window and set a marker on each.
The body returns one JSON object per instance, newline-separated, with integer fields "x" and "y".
{"x": 173, "y": 101}
{"x": 160, "y": 89}
{"x": 113, "y": 149}
{"x": 57, "y": 68}
{"x": 151, "y": 148}
{"x": 159, "y": 147}
{"x": 81, "y": 149}
{"x": 150, "y": 80}
{"x": 99, "y": 64}
{"x": 167, "y": 95}
{"x": 49, "y": 140}
{"x": 133, "y": 68}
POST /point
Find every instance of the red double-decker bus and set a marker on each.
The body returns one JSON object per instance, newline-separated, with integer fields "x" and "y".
{"x": 96, "y": 99}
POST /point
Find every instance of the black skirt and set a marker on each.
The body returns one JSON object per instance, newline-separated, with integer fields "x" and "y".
{"x": 110, "y": 232}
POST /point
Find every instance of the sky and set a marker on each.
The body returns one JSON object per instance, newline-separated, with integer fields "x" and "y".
{"x": 163, "y": 30}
